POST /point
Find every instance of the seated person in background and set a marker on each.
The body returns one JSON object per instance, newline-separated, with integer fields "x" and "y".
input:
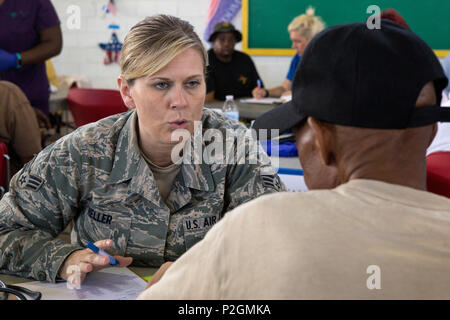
{"x": 301, "y": 30}
{"x": 119, "y": 179}
{"x": 230, "y": 72}
{"x": 19, "y": 127}
{"x": 372, "y": 231}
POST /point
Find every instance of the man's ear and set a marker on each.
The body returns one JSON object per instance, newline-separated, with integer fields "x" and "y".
{"x": 323, "y": 140}
{"x": 125, "y": 89}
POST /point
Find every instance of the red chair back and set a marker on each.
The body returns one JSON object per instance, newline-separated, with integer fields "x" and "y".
{"x": 438, "y": 173}
{"x": 3, "y": 165}
{"x": 90, "y": 105}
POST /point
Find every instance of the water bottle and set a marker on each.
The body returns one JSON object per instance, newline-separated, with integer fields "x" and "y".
{"x": 230, "y": 108}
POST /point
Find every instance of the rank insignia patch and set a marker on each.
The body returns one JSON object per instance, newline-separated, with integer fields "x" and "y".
{"x": 271, "y": 181}
{"x": 30, "y": 181}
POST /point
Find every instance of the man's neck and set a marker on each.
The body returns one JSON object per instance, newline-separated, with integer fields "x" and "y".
{"x": 410, "y": 176}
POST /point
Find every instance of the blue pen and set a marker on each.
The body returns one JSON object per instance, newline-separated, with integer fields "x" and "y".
{"x": 258, "y": 82}
{"x": 112, "y": 262}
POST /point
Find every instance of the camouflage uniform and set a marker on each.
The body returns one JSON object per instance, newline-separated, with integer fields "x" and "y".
{"x": 97, "y": 177}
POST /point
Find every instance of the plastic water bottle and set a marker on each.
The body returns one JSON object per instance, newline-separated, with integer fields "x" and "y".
{"x": 230, "y": 108}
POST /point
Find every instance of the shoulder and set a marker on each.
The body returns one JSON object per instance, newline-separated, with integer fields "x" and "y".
{"x": 106, "y": 128}
{"x": 10, "y": 90}
{"x": 286, "y": 206}
{"x": 48, "y": 15}
{"x": 239, "y": 55}
{"x": 93, "y": 140}
{"x": 45, "y": 4}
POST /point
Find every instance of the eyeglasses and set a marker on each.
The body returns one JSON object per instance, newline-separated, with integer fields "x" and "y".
{"x": 19, "y": 292}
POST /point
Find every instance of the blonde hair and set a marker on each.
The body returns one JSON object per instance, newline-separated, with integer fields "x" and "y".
{"x": 307, "y": 24}
{"x": 153, "y": 42}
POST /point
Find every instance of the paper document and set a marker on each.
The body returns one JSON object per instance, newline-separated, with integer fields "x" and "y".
{"x": 262, "y": 101}
{"x": 107, "y": 284}
{"x": 293, "y": 183}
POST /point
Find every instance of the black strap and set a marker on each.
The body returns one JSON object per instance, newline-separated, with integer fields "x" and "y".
{"x": 19, "y": 292}
{"x": 14, "y": 292}
{"x": 424, "y": 116}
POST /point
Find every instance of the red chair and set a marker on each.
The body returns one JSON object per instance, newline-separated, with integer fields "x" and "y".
{"x": 438, "y": 173}
{"x": 90, "y": 105}
{"x": 4, "y": 168}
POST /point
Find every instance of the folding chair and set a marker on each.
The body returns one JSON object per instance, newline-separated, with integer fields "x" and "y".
{"x": 4, "y": 169}
{"x": 438, "y": 173}
{"x": 90, "y": 105}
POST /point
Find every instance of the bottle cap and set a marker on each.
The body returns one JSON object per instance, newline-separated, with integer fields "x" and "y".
{"x": 230, "y": 97}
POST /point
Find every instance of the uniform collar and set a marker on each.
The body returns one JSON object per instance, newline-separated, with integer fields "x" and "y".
{"x": 127, "y": 155}
{"x": 129, "y": 163}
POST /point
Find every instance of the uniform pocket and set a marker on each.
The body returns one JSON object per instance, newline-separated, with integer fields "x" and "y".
{"x": 104, "y": 219}
{"x": 195, "y": 229}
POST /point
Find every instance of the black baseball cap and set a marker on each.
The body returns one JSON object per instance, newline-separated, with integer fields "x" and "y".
{"x": 225, "y": 27}
{"x": 354, "y": 76}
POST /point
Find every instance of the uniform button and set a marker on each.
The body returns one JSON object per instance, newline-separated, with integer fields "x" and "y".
{"x": 42, "y": 276}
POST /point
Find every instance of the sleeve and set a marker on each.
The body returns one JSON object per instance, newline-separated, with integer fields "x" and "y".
{"x": 42, "y": 201}
{"x": 47, "y": 16}
{"x": 251, "y": 175}
{"x": 25, "y": 133}
{"x": 292, "y": 68}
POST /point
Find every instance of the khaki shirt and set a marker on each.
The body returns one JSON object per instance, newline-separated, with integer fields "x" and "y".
{"x": 19, "y": 127}
{"x": 97, "y": 177}
{"x": 365, "y": 239}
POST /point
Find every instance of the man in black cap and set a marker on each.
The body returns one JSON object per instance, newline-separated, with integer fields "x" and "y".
{"x": 364, "y": 109}
{"x": 230, "y": 72}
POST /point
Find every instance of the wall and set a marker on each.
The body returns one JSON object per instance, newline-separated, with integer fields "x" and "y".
{"x": 81, "y": 54}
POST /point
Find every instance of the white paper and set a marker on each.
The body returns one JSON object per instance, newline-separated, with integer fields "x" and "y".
{"x": 262, "y": 100}
{"x": 106, "y": 284}
{"x": 294, "y": 183}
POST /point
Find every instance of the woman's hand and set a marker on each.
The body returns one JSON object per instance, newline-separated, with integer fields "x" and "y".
{"x": 259, "y": 93}
{"x": 78, "y": 264}
{"x": 158, "y": 274}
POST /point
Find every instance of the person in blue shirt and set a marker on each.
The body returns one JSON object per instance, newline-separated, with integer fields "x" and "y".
{"x": 301, "y": 30}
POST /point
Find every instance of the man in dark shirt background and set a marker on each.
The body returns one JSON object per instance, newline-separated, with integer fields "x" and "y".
{"x": 230, "y": 72}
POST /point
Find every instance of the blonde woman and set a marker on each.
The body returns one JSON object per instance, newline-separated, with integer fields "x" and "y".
{"x": 117, "y": 178}
{"x": 301, "y": 30}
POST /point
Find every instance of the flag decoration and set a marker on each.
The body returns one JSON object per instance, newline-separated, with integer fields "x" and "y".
{"x": 220, "y": 10}
{"x": 112, "y": 47}
{"x": 109, "y": 8}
